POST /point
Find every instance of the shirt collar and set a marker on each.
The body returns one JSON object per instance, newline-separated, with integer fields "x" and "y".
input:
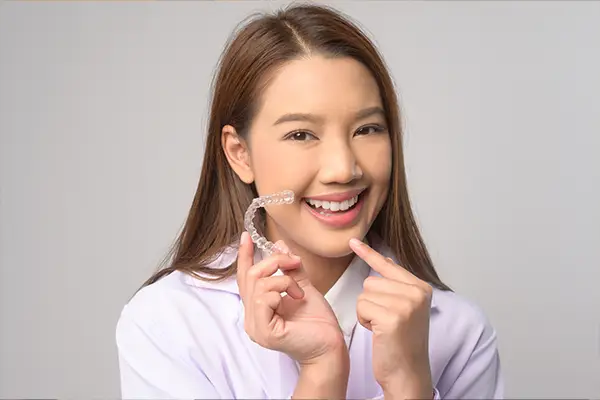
{"x": 343, "y": 295}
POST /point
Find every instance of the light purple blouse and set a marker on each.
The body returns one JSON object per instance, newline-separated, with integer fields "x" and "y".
{"x": 182, "y": 338}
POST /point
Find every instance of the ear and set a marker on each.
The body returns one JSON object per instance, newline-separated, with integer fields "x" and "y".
{"x": 237, "y": 153}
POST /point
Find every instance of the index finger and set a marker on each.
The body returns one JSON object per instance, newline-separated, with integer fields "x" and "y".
{"x": 381, "y": 264}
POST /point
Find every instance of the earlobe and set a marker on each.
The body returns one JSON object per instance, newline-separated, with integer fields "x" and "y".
{"x": 237, "y": 153}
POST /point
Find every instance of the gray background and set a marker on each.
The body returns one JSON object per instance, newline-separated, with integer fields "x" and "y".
{"x": 102, "y": 111}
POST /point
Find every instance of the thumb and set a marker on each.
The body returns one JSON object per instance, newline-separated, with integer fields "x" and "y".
{"x": 246, "y": 250}
{"x": 282, "y": 246}
{"x": 245, "y": 258}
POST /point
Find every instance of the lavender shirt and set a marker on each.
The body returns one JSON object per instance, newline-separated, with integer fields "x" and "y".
{"x": 184, "y": 338}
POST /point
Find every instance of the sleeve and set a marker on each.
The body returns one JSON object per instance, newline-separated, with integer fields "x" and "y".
{"x": 151, "y": 366}
{"x": 475, "y": 372}
{"x": 479, "y": 378}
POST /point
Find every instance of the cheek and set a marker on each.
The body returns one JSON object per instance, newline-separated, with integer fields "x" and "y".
{"x": 376, "y": 161}
{"x": 277, "y": 170}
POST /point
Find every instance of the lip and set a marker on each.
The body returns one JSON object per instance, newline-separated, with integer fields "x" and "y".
{"x": 339, "y": 220}
{"x": 337, "y": 196}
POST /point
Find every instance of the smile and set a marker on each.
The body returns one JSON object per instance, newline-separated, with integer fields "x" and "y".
{"x": 333, "y": 206}
{"x": 336, "y": 210}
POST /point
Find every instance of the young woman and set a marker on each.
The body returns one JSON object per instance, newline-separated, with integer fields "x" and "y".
{"x": 302, "y": 101}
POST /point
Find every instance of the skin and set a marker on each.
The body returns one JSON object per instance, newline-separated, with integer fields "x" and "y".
{"x": 395, "y": 307}
{"x": 319, "y": 160}
{"x": 333, "y": 151}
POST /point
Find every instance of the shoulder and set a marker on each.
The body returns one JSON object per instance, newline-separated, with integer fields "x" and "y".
{"x": 463, "y": 348}
{"x": 179, "y": 307}
{"x": 460, "y": 320}
{"x": 169, "y": 338}
{"x": 459, "y": 310}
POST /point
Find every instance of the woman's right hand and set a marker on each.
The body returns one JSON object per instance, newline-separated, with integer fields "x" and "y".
{"x": 300, "y": 324}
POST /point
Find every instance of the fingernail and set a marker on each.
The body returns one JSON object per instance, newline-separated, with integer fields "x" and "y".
{"x": 244, "y": 238}
{"x": 356, "y": 242}
{"x": 287, "y": 250}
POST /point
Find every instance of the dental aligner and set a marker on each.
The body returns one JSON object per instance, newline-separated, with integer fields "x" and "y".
{"x": 285, "y": 197}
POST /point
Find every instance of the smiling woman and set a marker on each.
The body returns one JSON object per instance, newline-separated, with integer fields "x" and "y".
{"x": 353, "y": 308}
{"x": 333, "y": 146}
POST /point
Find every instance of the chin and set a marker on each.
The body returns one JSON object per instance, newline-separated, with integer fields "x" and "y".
{"x": 331, "y": 246}
{"x": 337, "y": 250}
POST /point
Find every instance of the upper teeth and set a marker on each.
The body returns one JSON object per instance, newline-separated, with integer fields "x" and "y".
{"x": 333, "y": 205}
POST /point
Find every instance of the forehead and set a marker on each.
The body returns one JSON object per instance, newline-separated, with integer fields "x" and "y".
{"x": 331, "y": 87}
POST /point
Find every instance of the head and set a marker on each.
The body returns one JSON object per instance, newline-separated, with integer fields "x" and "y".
{"x": 319, "y": 129}
{"x": 303, "y": 101}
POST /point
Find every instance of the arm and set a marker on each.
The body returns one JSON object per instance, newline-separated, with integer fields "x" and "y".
{"x": 474, "y": 370}
{"x": 151, "y": 367}
{"x": 481, "y": 376}
{"x": 324, "y": 379}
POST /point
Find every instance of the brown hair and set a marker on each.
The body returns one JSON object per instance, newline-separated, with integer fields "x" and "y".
{"x": 264, "y": 43}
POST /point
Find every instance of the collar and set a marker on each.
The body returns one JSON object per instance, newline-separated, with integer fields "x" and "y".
{"x": 342, "y": 293}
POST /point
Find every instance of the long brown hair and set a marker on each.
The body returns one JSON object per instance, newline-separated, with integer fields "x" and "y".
{"x": 253, "y": 53}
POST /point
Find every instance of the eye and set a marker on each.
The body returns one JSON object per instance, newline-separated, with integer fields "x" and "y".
{"x": 300, "y": 136}
{"x": 370, "y": 129}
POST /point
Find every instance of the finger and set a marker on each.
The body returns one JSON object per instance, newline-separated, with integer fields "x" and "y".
{"x": 415, "y": 293}
{"x": 281, "y": 245}
{"x": 265, "y": 268}
{"x": 279, "y": 284}
{"x": 299, "y": 274}
{"x": 385, "y": 300}
{"x": 382, "y": 264}
{"x": 245, "y": 259}
{"x": 264, "y": 308}
{"x": 389, "y": 286}
{"x": 383, "y": 285}
{"x": 368, "y": 312}
{"x": 270, "y": 265}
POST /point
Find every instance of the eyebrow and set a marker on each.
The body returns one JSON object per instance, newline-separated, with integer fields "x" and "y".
{"x": 302, "y": 117}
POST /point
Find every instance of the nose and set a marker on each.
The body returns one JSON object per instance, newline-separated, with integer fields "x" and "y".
{"x": 339, "y": 163}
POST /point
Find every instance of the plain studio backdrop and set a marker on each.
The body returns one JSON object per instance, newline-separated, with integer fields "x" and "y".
{"x": 103, "y": 108}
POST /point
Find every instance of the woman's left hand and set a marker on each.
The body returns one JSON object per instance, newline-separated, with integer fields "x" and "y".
{"x": 395, "y": 307}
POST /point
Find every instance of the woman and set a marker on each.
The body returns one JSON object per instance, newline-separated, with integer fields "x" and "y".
{"x": 302, "y": 101}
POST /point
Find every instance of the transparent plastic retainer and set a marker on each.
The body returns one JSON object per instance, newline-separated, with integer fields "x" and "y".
{"x": 285, "y": 197}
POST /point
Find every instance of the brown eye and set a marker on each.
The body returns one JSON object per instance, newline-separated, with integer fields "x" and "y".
{"x": 300, "y": 136}
{"x": 370, "y": 129}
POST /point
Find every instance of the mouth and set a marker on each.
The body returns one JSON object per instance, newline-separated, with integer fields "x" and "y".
{"x": 330, "y": 207}
{"x": 342, "y": 212}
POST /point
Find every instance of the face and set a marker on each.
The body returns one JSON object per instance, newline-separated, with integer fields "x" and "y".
{"x": 321, "y": 132}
